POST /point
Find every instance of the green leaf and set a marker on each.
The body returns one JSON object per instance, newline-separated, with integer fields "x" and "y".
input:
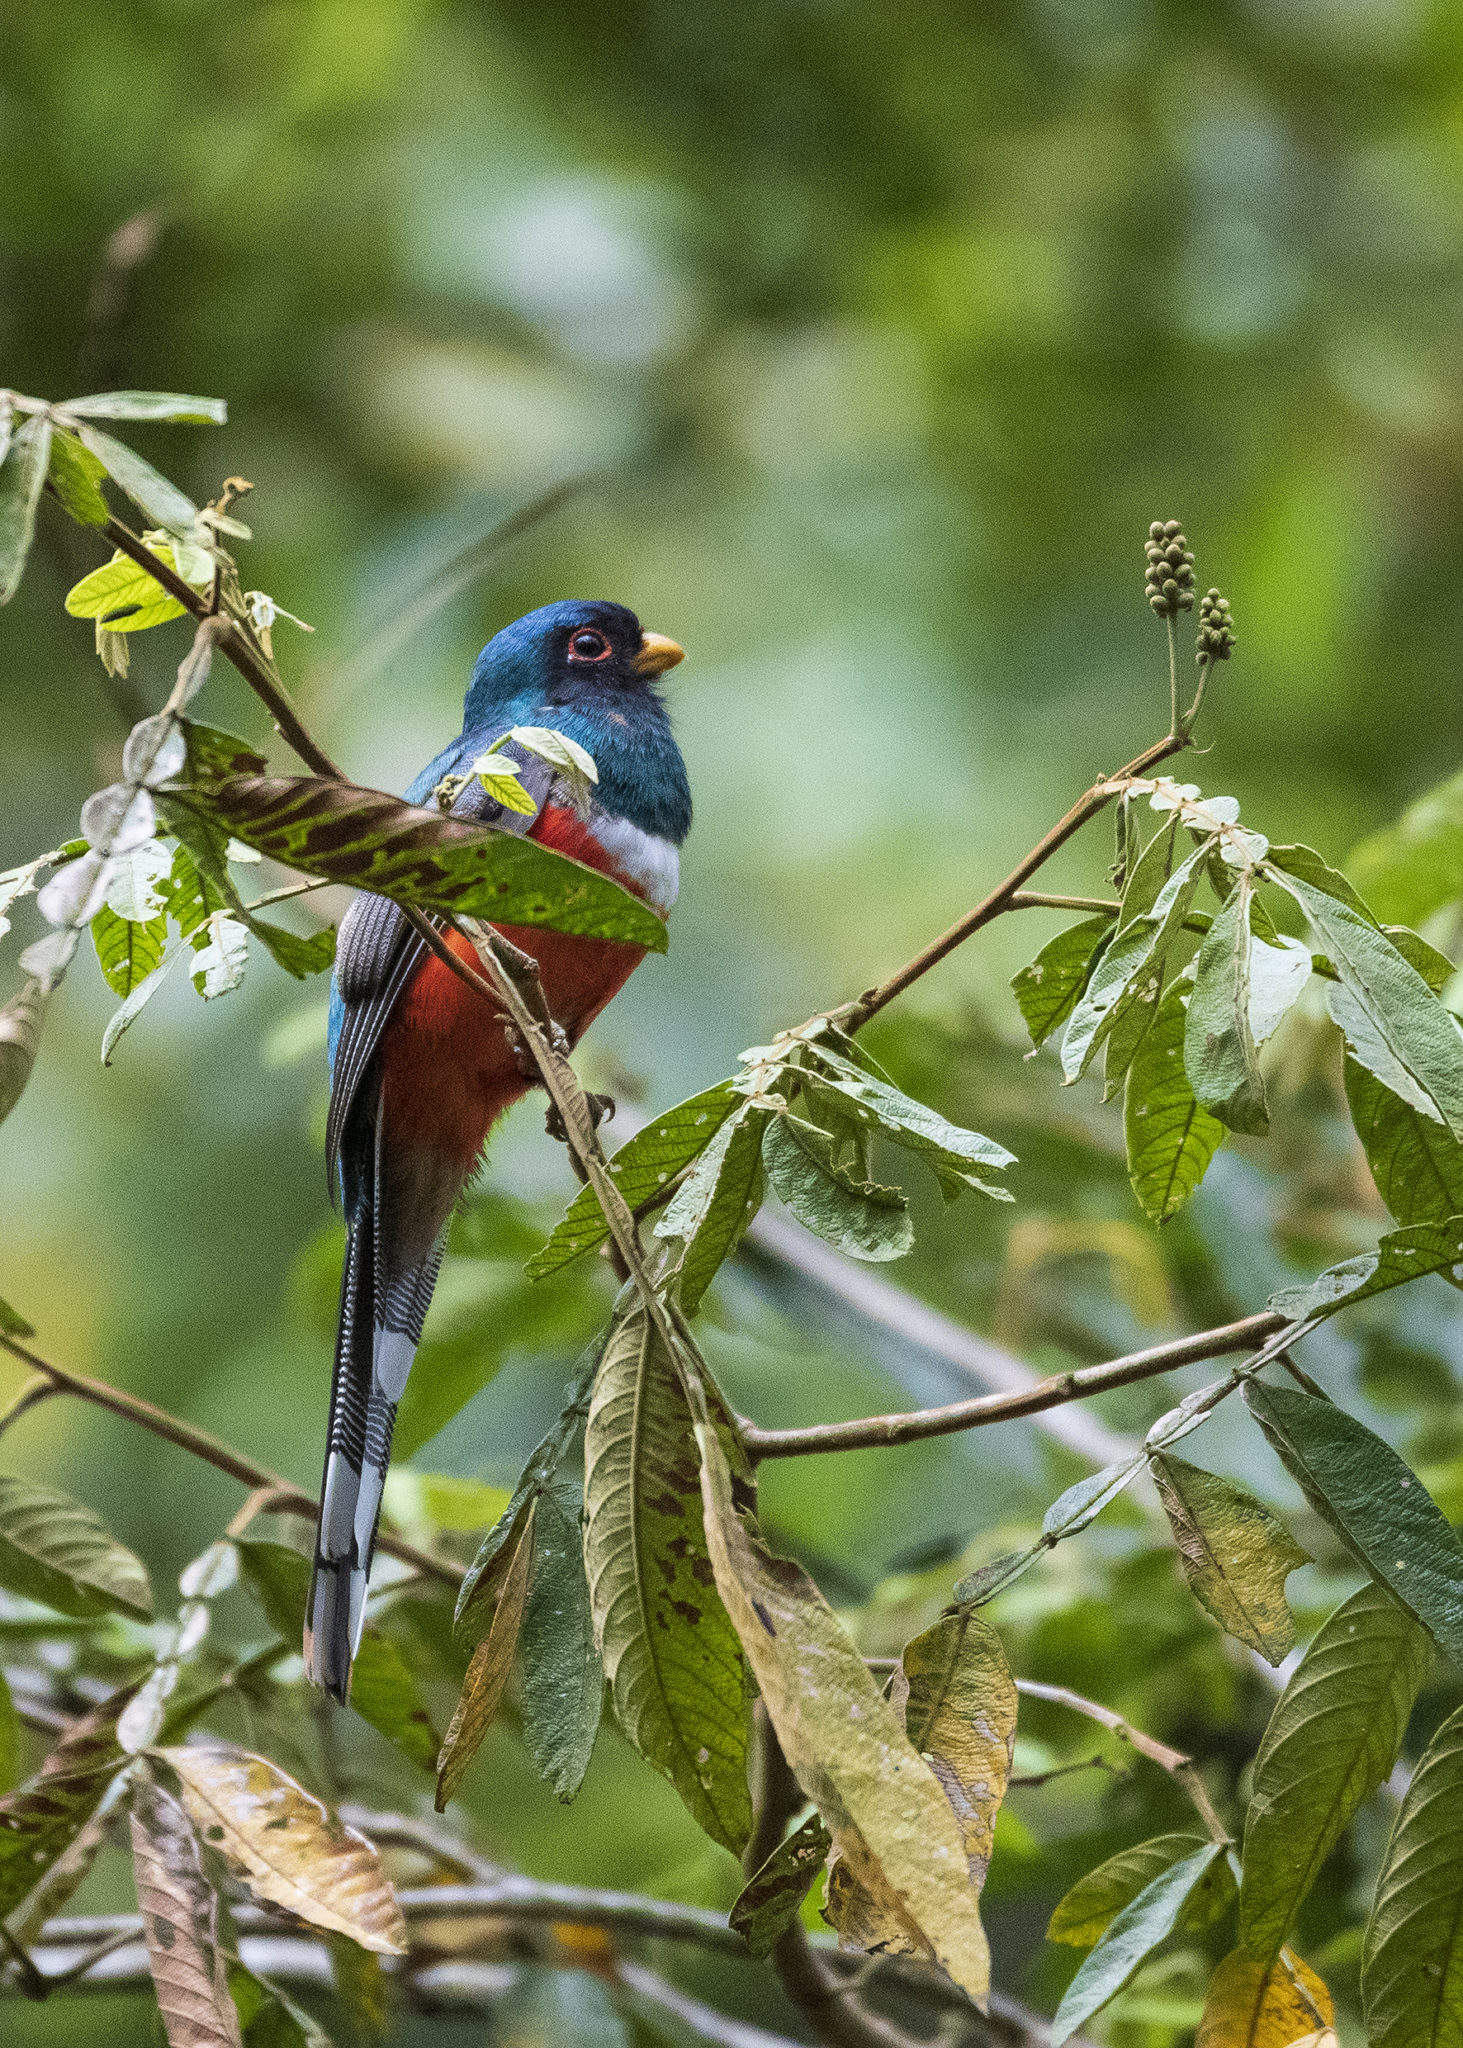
{"x": 75, "y": 472}
{"x": 54, "y": 1550}
{"x": 1412, "y": 1953}
{"x": 716, "y": 1202}
{"x": 1415, "y": 1161}
{"x": 268, "y": 2018}
{"x": 675, "y": 1667}
{"x": 770, "y": 1900}
{"x": 373, "y": 841}
{"x": 122, "y": 595}
{"x": 164, "y": 504}
{"x": 1170, "y": 1139}
{"x": 1084, "y": 1914}
{"x": 214, "y": 754}
{"x": 1332, "y": 1739}
{"x": 1402, "y": 1255}
{"x": 1132, "y": 961}
{"x": 149, "y": 405}
{"x": 478, "y": 1592}
{"x": 1379, "y": 1507}
{"x": 1307, "y": 866}
{"x": 858, "y": 1217}
{"x": 383, "y": 1690}
{"x": 1414, "y": 867}
{"x": 946, "y": 1148}
{"x": 1391, "y": 1010}
{"x": 42, "y": 1820}
{"x": 9, "y": 1738}
{"x": 1236, "y": 1555}
{"x": 127, "y": 950}
{"x": 647, "y": 1162}
{"x": 298, "y": 956}
{"x": 1073, "y": 1511}
{"x": 1149, "y": 873}
{"x": 882, "y": 1804}
{"x": 1049, "y": 989}
{"x": 563, "y": 1681}
{"x": 12, "y": 1323}
{"x": 22, "y": 478}
{"x": 1133, "y": 1935}
{"x": 1219, "y": 1051}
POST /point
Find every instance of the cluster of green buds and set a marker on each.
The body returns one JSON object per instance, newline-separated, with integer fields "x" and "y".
{"x": 1169, "y": 584}
{"x": 1216, "y": 628}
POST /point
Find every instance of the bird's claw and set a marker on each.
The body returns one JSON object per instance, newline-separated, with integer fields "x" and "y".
{"x": 601, "y": 1110}
{"x": 524, "y": 1059}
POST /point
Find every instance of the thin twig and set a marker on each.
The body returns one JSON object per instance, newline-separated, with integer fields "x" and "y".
{"x": 875, "y": 1431}
{"x": 1179, "y": 1766}
{"x": 288, "y": 1499}
{"x": 853, "y": 1016}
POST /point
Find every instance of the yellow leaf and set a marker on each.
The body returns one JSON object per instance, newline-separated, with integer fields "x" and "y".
{"x": 487, "y": 1674}
{"x": 882, "y": 1803}
{"x": 499, "y": 777}
{"x": 123, "y": 596}
{"x": 1236, "y": 1555}
{"x": 1252, "y": 2006}
{"x": 285, "y": 1845}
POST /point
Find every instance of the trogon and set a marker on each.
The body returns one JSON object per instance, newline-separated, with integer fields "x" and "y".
{"x": 420, "y": 1065}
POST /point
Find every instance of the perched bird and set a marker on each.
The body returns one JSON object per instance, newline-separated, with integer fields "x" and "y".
{"x": 421, "y": 1067}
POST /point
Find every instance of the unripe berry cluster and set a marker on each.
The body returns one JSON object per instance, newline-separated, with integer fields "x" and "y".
{"x": 1169, "y": 584}
{"x": 1216, "y": 628}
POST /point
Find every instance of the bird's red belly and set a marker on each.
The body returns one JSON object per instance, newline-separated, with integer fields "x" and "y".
{"x": 447, "y": 1070}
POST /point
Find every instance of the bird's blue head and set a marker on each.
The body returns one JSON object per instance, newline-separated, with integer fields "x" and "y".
{"x": 587, "y": 668}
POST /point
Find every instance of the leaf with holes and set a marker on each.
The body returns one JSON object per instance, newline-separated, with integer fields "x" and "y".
{"x": 1236, "y": 1555}
{"x": 1412, "y": 1954}
{"x": 179, "y": 1910}
{"x": 285, "y": 1846}
{"x": 948, "y": 1150}
{"x": 1049, "y": 989}
{"x": 377, "y": 842}
{"x": 1084, "y": 1914}
{"x": 1332, "y": 1739}
{"x": 488, "y": 1671}
{"x": 1379, "y": 1507}
{"x": 770, "y": 1900}
{"x": 54, "y": 1550}
{"x": 641, "y": 1167}
{"x": 1251, "y": 2006}
{"x": 1170, "y": 1139}
{"x": 676, "y": 1671}
{"x": 882, "y": 1804}
{"x": 1134, "y": 1933}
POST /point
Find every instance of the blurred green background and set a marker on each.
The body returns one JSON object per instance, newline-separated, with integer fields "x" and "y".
{"x": 878, "y": 335}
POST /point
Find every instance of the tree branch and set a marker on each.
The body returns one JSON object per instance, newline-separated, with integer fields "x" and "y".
{"x": 1180, "y": 1767}
{"x": 853, "y": 1016}
{"x": 285, "y": 1497}
{"x": 874, "y": 1432}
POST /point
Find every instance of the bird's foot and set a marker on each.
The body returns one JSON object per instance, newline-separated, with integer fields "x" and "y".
{"x": 601, "y": 1110}
{"x": 524, "y": 1059}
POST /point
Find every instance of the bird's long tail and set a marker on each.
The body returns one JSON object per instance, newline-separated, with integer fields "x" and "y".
{"x": 381, "y": 1317}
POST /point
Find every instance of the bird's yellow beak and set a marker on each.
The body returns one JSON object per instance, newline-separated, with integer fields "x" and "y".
{"x": 656, "y": 654}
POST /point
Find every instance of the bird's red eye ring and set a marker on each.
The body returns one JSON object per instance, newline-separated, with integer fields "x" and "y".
{"x": 588, "y": 645}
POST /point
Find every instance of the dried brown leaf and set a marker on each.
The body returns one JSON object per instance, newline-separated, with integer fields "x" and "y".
{"x": 180, "y": 1922}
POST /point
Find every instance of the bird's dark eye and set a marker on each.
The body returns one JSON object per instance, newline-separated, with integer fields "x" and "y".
{"x": 587, "y": 645}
